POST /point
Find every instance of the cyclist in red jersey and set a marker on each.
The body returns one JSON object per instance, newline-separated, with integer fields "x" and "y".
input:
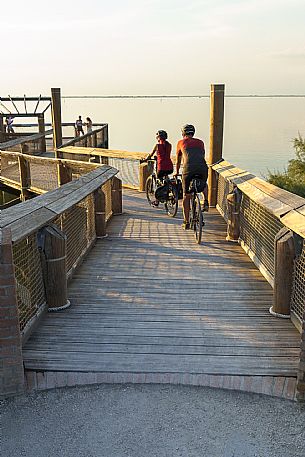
{"x": 191, "y": 152}
{"x": 162, "y": 150}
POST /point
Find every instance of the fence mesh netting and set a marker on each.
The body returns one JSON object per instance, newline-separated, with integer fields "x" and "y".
{"x": 29, "y": 280}
{"x": 10, "y": 167}
{"x": 298, "y": 294}
{"x": 43, "y": 176}
{"x": 258, "y": 228}
{"x": 128, "y": 170}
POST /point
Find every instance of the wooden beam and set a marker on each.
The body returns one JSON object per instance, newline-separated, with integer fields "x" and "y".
{"x": 216, "y": 136}
{"x": 56, "y": 119}
{"x": 37, "y": 103}
{"x": 24, "y": 100}
{"x": 14, "y": 104}
{"x": 116, "y": 196}
{"x": 41, "y": 129}
{"x": 100, "y": 213}
{"x": 21, "y": 99}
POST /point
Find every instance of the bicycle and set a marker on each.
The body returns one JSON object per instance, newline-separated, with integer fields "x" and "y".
{"x": 196, "y": 213}
{"x": 171, "y": 193}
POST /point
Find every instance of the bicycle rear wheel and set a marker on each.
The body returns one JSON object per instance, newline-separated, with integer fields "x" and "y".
{"x": 150, "y": 188}
{"x": 171, "y": 204}
{"x": 197, "y": 219}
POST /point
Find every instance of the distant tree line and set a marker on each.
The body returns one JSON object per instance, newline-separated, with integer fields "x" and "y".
{"x": 293, "y": 179}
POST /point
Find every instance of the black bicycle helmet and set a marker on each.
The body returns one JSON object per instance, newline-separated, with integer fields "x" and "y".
{"x": 188, "y": 129}
{"x": 162, "y": 134}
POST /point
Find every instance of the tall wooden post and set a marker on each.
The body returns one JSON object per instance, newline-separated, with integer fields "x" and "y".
{"x": 116, "y": 196}
{"x": 144, "y": 172}
{"x": 283, "y": 275}
{"x": 216, "y": 136}
{"x": 56, "y": 119}
{"x": 100, "y": 213}
{"x": 64, "y": 174}
{"x": 2, "y": 130}
{"x": 25, "y": 177}
{"x": 41, "y": 129}
{"x": 53, "y": 249}
{"x": 106, "y": 137}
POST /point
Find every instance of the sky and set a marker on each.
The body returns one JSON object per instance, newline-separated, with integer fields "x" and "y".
{"x": 152, "y": 47}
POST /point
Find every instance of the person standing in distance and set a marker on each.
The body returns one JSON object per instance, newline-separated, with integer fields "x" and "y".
{"x": 79, "y": 126}
{"x": 191, "y": 152}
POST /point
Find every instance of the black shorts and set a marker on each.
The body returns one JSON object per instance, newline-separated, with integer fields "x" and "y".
{"x": 163, "y": 173}
{"x": 187, "y": 178}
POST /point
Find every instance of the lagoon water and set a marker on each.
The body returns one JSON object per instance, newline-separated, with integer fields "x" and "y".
{"x": 258, "y": 132}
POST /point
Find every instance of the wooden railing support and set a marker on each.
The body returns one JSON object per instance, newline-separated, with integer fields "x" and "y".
{"x": 25, "y": 177}
{"x": 64, "y": 174}
{"x": 283, "y": 276}
{"x": 53, "y": 257}
{"x": 216, "y": 136}
{"x": 116, "y": 196}
{"x": 41, "y": 128}
{"x": 11, "y": 362}
{"x": 56, "y": 119}
{"x": 233, "y": 205}
{"x": 100, "y": 213}
{"x": 144, "y": 172}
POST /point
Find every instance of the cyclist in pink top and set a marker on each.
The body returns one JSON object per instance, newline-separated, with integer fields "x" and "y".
{"x": 163, "y": 151}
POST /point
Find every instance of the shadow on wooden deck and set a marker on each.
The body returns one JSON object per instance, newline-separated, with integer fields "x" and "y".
{"x": 151, "y": 306}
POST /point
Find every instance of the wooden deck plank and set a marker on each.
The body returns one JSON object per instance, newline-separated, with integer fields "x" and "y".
{"x": 148, "y": 299}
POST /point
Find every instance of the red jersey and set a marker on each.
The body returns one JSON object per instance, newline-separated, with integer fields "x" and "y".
{"x": 192, "y": 151}
{"x": 163, "y": 151}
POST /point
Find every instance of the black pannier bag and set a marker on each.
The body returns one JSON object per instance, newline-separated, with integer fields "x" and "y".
{"x": 161, "y": 193}
{"x": 198, "y": 184}
{"x": 176, "y": 182}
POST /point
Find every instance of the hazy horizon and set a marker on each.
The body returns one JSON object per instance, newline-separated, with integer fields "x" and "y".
{"x": 153, "y": 47}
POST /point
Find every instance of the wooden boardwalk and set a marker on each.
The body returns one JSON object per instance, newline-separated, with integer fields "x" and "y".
{"x": 149, "y": 302}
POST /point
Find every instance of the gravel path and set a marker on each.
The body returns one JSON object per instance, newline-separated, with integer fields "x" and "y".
{"x": 150, "y": 420}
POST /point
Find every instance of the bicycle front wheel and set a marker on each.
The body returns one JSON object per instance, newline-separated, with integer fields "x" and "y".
{"x": 171, "y": 204}
{"x": 150, "y": 188}
{"x": 197, "y": 219}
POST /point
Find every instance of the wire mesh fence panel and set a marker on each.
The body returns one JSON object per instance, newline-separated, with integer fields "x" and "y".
{"x": 29, "y": 279}
{"x": 298, "y": 293}
{"x": 106, "y": 188}
{"x": 44, "y": 176}
{"x": 10, "y": 167}
{"x": 258, "y": 229}
{"x": 78, "y": 224}
{"x": 128, "y": 170}
{"x": 223, "y": 189}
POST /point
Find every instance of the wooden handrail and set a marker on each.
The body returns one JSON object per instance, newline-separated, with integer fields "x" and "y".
{"x": 284, "y": 205}
{"x": 25, "y": 139}
{"x": 117, "y": 154}
{"x": 28, "y": 217}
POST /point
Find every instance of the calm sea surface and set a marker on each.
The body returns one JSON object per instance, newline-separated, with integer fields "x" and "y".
{"x": 257, "y": 137}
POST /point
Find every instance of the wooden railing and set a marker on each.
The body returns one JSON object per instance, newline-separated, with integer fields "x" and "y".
{"x": 37, "y": 175}
{"x": 131, "y": 172}
{"x": 42, "y": 241}
{"x": 95, "y": 138}
{"x": 29, "y": 144}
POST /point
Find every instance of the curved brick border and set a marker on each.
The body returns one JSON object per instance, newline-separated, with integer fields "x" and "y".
{"x": 268, "y": 385}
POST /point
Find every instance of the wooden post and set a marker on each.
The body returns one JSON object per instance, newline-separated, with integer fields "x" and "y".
{"x": 11, "y": 361}
{"x": 25, "y": 177}
{"x": 56, "y": 119}
{"x": 53, "y": 256}
{"x": 233, "y": 204}
{"x": 41, "y": 128}
{"x": 100, "y": 213}
{"x": 106, "y": 137}
{"x": 116, "y": 196}
{"x": 144, "y": 171}
{"x": 216, "y": 136}
{"x": 2, "y": 129}
{"x": 283, "y": 276}
{"x": 64, "y": 173}
{"x": 94, "y": 140}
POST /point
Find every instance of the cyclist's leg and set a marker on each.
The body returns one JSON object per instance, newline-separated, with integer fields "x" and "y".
{"x": 186, "y": 180}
